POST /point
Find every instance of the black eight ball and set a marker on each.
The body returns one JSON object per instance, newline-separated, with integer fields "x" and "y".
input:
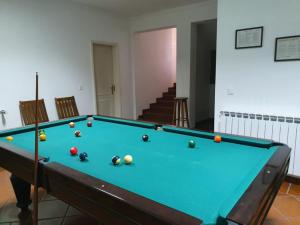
{"x": 145, "y": 137}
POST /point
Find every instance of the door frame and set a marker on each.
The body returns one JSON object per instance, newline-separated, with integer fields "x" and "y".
{"x": 116, "y": 69}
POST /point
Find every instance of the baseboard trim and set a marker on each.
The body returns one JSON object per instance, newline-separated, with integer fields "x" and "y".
{"x": 292, "y": 179}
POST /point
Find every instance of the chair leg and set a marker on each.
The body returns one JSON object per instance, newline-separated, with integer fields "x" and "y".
{"x": 187, "y": 114}
{"x": 182, "y": 114}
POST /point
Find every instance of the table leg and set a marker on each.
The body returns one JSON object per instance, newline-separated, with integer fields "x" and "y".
{"x": 22, "y": 191}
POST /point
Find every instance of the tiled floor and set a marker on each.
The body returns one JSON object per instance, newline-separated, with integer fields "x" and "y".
{"x": 285, "y": 210}
{"x": 51, "y": 210}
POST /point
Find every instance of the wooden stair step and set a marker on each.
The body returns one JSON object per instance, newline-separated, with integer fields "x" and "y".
{"x": 172, "y": 90}
{"x": 161, "y": 111}
{"x": 158, "y": 116}
{"x": 157, "y": 108}
{"x": 167, "y": 95}
{"x": 166, "y": 102}
{"x": 155, "y": 120}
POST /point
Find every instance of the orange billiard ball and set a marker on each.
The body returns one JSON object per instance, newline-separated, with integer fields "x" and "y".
{"x": 218, "y": 138}
{"x": 43, "y": 137}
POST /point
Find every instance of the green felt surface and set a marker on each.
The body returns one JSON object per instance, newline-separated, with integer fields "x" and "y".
{"x": 204, "y": 182}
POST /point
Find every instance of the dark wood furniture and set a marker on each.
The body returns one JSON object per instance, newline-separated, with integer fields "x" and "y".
{"x": 114, "y": 205}
{"x": 27, "y": 110}
{"x": 180, "y": 112}
{"x": 66, "y": 107}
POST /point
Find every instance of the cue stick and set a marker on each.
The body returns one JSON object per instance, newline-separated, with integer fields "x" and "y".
{"x": 36, "y": 154}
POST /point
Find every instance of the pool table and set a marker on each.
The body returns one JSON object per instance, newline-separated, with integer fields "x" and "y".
{"x": 168, "y": 183}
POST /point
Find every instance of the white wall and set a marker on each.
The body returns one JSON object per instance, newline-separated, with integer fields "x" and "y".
{"x": 259, "y": 84}
{"x": 181, "y": 18}
{"x": 54, "y": 38}
{"x": 155, "y": 65}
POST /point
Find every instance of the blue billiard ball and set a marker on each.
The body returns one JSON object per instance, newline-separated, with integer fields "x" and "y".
{"x": 83, "y": 156}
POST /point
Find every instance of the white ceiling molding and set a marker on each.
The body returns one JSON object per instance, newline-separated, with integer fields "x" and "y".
{"x": 136, "y": 7}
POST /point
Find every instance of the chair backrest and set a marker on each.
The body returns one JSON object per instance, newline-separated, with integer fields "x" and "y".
{"x": 27, "y": 109}
{"x": 66, "y": 107}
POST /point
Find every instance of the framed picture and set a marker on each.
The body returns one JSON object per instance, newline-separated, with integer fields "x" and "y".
{"x": 287, "y": 48}
{"x": 249, "y": 38}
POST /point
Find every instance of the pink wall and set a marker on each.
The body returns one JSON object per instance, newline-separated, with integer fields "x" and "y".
{"x": 155, "y": 65}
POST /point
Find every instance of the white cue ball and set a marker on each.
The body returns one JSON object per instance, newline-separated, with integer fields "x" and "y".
{"x": 128, "y": 159}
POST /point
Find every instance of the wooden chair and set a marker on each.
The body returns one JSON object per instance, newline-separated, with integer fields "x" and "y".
{"x": 66, "y": 107}
{"x": 27, "y": 110}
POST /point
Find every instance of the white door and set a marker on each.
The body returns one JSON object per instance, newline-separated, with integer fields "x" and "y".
{"x": 104, "y": 79}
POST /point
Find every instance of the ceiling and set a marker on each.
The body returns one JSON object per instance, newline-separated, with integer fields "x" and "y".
{"x": 136, "y": 7}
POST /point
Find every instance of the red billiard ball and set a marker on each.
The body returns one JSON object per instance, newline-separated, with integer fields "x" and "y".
{"x": 73, "y": 151}
{"x": 77, "y": 133}
{"x": 89, "y": 124}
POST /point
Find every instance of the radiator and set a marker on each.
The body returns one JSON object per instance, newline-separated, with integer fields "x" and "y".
{"x": 278, "y": 128}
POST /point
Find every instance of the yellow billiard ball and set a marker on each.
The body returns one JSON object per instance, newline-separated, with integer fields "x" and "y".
{"x": 128, "y": 159}
{"x": 72, "y": 124}
{"x": 9, "y": 138}
{"x": 43, "y": 137}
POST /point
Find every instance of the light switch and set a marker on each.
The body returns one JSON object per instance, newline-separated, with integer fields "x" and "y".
{"x": 229, "y": 92}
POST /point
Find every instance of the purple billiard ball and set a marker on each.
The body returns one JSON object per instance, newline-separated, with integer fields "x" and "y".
{"x": 89, "y": 124}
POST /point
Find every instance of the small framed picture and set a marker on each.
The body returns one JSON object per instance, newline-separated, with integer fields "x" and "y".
{"x": 287, "y": 48}
{"x": 249, "y": 38}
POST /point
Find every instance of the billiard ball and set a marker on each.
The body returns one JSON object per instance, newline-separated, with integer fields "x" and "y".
{"x": 83, "y": 156}
{"x": 128, "y": 159}
{"x": 192, "y": 144}
{"x": 116, "y": 160}
{"x": 9, "y": 138}
{"x": 218, "y": 138}
{"x": 73, "y": 151}
{"x": 43, "y": 137}
{"x": 46, "y": 159}
{"x": 145, "y": 138}
{"x": 89, "y": 124}
{"x": 77, "y": 133}
{"x": 72, "y": 124}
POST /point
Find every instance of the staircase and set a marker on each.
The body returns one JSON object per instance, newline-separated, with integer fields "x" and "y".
{"x": 162, "y": 110}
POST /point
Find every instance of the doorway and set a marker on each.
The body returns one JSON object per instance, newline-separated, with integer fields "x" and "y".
{"x": 155, "y": 59}
{"x": 205, "y": 35}
{"x": 105, "y": 75}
